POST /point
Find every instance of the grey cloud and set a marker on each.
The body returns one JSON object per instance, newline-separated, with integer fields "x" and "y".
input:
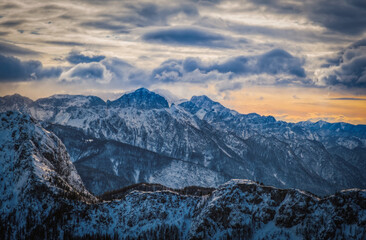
{"x": 147, "y": 14}
{"x": 93, "y": 71}
{"x": 229, "y": 86}
{"x": 65, "y": 43}
{"x": 48, "y": 9}
{"x": 11, "y": 49}
{"x": 188, "y": 36}
{"x": 275, "y": 62}
{"x": 279, "y": 61}
{"x": 291, "y": 34}
{"x": 349, "y": 68}
{"x": 66, "y": 16}
{"x": 51, "y": 7}
{"x": 280, "y": 6}
{"x": 76, "y": 57}
{"x": 9, "y": 6}
{"x": 121, "y": 17}
{"x": 351, "y": 74}
{"x": 107, "y": 73}
{"x": 14, "y": 70}
{"x": 207, "y": 2}
{"x": 342, "y": 16}
{"x": 12, "y": 23}
{"x": 169, "y": 71}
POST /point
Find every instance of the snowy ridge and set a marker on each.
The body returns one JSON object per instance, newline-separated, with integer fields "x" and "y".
{"x": 202, "y": 133}
{"x": 43, "y": 197}
{"x": 38, "y": 154}
{"x": 141, "y": 99}
{"x": 180, "y": 173}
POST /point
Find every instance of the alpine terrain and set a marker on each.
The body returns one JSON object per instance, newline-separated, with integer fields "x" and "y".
{"x": 141, "y": 137}
{"x": 43, "y": 197}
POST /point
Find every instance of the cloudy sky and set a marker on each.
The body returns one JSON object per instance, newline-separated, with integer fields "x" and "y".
{"x": 295, "y": 60}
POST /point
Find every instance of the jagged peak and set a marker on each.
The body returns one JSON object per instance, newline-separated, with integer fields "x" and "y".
{"x": 141, "y": 98}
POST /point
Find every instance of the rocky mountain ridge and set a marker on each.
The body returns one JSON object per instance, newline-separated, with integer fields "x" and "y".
{"x": 42, "y": 197}
{"x": 140, "y": 138}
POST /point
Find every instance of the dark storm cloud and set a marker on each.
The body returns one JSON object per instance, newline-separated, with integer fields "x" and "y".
{"x": 346, "y": 53}
{"x": 349, "y": 67}
{"x": 65, "y": 43}
{"x": 351, "y": 74}
{"x": 189, "y": 37}
{"x": 14, "y": 70}
{"x": 11, "y": 49}
{"x": 280, "y": 61}
{"x": 76, "y": 57}
{"x": 341, "y": 15}
{"x": 274, "y": 62}
{"x": 344, "y": 16}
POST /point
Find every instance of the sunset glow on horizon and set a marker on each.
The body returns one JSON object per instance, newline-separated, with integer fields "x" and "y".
{"x": 293, "y": 60}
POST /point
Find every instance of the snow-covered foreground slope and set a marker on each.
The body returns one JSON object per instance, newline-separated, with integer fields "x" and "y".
{"x": 42, "y": 197}
{"x": 141, "y": 138}
{"x": 35, "y": 169}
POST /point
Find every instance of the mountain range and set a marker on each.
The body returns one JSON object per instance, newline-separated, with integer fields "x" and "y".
{"x": 143, "y": 137}
{"x": 43, "y": 197}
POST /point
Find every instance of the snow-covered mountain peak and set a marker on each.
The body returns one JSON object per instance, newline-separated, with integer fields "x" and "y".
{"x": 207, "y": 137}
{"x": 142, "y": 98}
{"x": 40, "y": 191}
